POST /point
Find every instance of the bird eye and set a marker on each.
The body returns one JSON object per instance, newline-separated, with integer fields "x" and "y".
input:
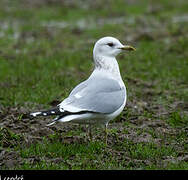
{"x": 110, "y": 44}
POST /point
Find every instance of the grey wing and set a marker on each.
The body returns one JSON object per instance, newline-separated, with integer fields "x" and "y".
{"x": 101, "y": 95}
{"x": 104, "y": 102}
{"x": 79, "y": 87}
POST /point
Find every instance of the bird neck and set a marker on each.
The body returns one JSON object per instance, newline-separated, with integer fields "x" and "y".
{"x": 108, "y": 64}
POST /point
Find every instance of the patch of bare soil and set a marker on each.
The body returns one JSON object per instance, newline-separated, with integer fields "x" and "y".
{"x": 16, "y": 130}
{"x": 144, "y": 120}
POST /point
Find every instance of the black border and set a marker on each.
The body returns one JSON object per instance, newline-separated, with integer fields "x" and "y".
{"x": 56, "y": 174}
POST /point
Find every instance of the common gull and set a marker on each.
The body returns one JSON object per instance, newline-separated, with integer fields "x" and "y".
{"x": 100, "y": 98}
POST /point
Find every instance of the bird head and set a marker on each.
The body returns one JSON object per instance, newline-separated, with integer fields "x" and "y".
{"x": 110, "y": 47}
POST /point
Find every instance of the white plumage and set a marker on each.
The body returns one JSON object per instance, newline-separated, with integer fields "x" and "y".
{"x": 102, "y": 97}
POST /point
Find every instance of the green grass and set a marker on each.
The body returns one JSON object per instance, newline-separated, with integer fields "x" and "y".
{"x": 177, "y": 120}
{"x": 46, "y": 49}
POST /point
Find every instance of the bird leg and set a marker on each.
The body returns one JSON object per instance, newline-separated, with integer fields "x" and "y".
{"x": 106, "y": 134}
{"x": 89, "y": 132}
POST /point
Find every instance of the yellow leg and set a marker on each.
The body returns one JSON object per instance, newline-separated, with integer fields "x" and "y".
{"x": 106, "y": 134}
{"x": 90, "y": 133}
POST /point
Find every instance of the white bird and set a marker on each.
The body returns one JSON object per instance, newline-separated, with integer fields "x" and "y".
{"x": 100, "y": 98}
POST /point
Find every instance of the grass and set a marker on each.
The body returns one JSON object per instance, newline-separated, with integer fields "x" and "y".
{"x": 46, "y": 49}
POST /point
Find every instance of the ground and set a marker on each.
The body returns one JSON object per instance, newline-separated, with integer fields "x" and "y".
{"x": 46, "y": 50}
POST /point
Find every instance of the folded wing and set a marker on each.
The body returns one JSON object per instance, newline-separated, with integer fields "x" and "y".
{"x": 99, "y": 95}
